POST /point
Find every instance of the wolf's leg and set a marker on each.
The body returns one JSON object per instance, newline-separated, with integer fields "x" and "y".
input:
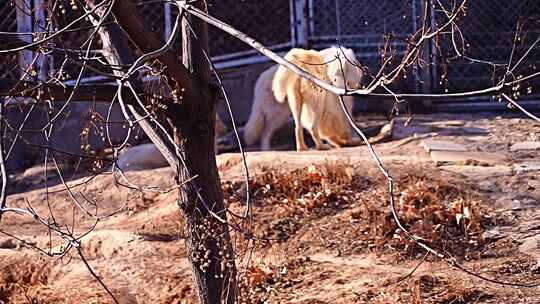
{"x": 266, "y": 139}
{"x": 295, "y": 103}
{"x": 272, "y": 125}
{"x": 314, "y": 131}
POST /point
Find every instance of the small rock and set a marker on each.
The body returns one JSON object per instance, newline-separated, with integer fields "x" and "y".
{"x": 8, "y": 244}
{"x": 466, "y": 158}
{"x": 442, "y": 145}
{"x": 479, "y": 172}
{"x": 527, "y": 167}
{"x": 493, "y": 234}
{"x": 525, "y": 145}
{"x": 531, "y": 246}
{"x": 401, "y": 131}
{"x": 141, "y": 157}
{"x": 488, "y": 186}
{"x": 446, "y": 123}
{"x": 473, "y": 130}
{"x": 533, "y": 185}
{"x": 517, "y": 201}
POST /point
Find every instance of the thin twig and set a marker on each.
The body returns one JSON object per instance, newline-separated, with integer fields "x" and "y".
{"x": 94, "y": 274}
{"x": 522, "y": 109}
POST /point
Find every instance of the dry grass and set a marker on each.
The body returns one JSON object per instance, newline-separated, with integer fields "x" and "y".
{"x": 341, "y": 208}
{"x": 19, "y": 281}
{"x": 425, "y": 289}
{"x": 442, "y": 213}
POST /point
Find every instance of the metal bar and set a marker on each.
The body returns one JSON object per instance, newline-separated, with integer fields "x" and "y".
{"x": 414, "y": 14}
{"x": 426, "y": 86}
{"x": 40, "y": 22}
{"x": 88, "y": 80}
{"x": 338, "y": 20}
{"x": 481, "y": 105}
{"x": 23, "y": 10}
{"x": 292, "y": 17}
{"x": 311, "y": 21}
{"x": 367, "y": 35}
{"x": 434, "y": 61}
{"x": 299, "y": 23}
{"x": 168, "y": 20}
{"x": 243, "y": 61}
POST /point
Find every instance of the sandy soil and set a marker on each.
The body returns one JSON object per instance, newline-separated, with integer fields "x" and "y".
{"x": 333, "y": 239}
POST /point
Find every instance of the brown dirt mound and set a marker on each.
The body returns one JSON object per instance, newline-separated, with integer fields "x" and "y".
{"x": 336, "y": 206}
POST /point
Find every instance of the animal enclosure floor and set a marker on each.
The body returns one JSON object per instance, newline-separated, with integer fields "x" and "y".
{"x": 327, "y": 214}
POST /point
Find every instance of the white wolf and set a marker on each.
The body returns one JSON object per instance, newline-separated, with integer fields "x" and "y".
{"x": 268, "y": 115}
{"x": 312, "y": 107}
{"x": 147, "y": 156}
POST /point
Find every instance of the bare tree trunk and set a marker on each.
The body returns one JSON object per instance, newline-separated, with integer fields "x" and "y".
{"x": 209, "y": 246}
{"x": 193, "y": 119}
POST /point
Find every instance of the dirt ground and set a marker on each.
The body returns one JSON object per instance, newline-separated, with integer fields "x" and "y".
{"x": 323, "y": 219}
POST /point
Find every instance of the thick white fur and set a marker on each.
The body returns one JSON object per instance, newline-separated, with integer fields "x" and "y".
{"x": 312, "y": 107}
{"x": 268, "y": 115}
{"x": 141, "y": 157}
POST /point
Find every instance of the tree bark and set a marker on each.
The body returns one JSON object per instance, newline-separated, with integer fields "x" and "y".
{"x": 209, "y": 246}
{"x": 192, "y": 117}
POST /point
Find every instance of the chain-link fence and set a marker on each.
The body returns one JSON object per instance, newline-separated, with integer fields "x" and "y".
{"x": 484, "y": 37}
{"x": 268, "y": 20}
{"x": 8, "y": 23}
{"x": 65, "y": 63}
{"x": 362, "y": 25}
{"x": 488, "y": 34}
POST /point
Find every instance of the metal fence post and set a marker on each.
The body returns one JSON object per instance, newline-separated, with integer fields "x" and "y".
{"x": 299, "y": 22}
{"x": 168, "y": 20}
{"x": 43, "y": 62}
{"x": 306, "y": 21}
{"x": 428, "y": 54}
{"x": 24, "y": 25}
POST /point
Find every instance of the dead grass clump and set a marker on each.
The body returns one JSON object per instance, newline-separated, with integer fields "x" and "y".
{"x": 425, "y": 289}
{"x": 428, "y": 289}
{"x": 260, "y": 281}
{"x": 286, "y": 200}
{"x": 441, "y": 215}
{"x": 444, "y": 214}
{"x": 19, "y": 279}
{"x": 304, "y": 189}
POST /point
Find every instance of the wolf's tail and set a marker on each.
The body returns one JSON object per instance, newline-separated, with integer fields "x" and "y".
{"x": 279, "y": 83}
{"x": 283, "y": 77}
{"x": 384, "y": 134}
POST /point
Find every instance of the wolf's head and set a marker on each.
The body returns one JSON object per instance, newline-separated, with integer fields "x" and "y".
{"x": 344, "y": 70}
